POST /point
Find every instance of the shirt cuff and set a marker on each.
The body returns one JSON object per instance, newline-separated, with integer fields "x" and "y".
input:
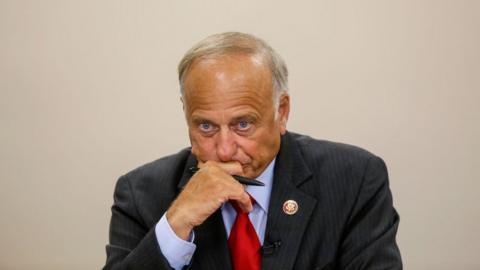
{"x": 177, "y": 251}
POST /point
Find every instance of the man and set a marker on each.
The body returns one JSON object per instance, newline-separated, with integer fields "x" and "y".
{"x": 324, "y": 205}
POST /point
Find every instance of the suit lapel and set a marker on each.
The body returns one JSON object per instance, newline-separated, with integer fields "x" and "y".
{"x": 191, "y": 162}
{"x": 212, "y": 248}
{"x": 290, "y": 171}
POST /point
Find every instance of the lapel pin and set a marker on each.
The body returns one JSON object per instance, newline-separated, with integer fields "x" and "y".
{"x": 290, "y": 207}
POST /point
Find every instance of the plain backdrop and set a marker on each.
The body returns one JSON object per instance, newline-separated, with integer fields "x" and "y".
{"x": 89, "y": 91}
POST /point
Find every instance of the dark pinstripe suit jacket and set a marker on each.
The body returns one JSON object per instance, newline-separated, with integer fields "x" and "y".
{"x": 345, "y": 218}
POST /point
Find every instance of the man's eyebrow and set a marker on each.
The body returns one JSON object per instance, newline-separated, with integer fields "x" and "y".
{"x": 246, "y": 117}
{"x": 199, "y": 120}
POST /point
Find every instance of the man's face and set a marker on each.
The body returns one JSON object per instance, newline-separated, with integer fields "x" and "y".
{"x": 228, "y": 103}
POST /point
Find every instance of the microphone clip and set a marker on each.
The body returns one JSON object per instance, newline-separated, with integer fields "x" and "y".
{"x": 271, "y": 248}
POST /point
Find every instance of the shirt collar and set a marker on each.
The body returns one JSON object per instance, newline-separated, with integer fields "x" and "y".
{"x": 261, "y": 194}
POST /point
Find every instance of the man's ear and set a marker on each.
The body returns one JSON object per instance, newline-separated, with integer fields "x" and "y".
{"x": 183, "y": 103}
{"x": 283, "y": 112}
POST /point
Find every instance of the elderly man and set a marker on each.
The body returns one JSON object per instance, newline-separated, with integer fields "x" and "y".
{"x": 323, "y": 205}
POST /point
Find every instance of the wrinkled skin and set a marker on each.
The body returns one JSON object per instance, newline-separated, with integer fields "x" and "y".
{"x": 234, "y": 128}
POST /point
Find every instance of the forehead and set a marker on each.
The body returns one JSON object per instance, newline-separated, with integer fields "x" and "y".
{"x": 226, "y": 82}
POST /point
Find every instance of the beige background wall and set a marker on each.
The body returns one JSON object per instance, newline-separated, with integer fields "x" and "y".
{"x": 89, "y": 91}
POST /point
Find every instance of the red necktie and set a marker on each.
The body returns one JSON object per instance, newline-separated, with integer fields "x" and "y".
{"x": 243, "y": 242}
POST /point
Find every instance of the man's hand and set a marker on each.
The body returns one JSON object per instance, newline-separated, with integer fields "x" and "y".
{"x": 206, "y": 191}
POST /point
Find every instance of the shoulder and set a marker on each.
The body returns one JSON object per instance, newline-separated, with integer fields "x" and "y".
{"x": 342, "y": 175}
{"x": 158, "y": 177}
{"x": 317, "y": 152}
{"x": 149, "y": 189}
{"x": 342, "y": 166}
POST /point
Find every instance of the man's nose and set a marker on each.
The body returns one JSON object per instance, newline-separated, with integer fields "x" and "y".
{"x": 226, "y": 146}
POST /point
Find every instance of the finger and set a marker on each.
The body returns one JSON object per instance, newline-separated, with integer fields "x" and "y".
{"x": 245, "y": 203}
{"x": 243, "y": 200}
{"x": 231, "y": 167}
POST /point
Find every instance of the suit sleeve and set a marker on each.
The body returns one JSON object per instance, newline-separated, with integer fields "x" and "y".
{"x": 132, "y": 244}
{"x": 369, "y": 240}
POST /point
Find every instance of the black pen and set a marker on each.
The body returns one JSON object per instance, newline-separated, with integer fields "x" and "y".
{"x": 241, "y": 179}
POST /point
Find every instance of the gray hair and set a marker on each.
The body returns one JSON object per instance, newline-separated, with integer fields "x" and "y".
{"x": 235, "y": 42}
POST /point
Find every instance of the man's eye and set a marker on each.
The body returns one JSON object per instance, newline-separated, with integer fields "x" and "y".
{"x": 243, "y": 125}
{"x": 205, "y": 126}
